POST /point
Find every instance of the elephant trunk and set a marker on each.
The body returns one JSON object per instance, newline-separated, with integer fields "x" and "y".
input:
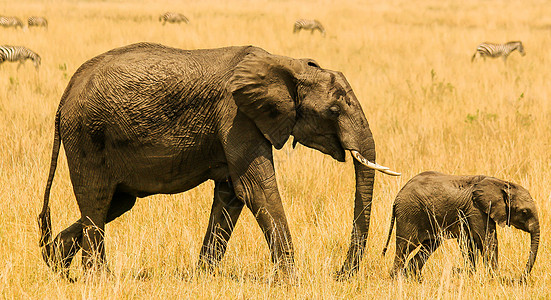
{"x": 534, "y": 243}
{"x": 362, "y": 211}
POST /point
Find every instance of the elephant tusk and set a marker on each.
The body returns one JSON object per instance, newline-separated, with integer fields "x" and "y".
{"x": 371, "y": 165}
{"x": 366, "y": 162}
{"x": 389, "y": 172}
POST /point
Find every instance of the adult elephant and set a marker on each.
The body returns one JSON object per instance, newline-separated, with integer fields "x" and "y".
{"x": 434, "y": 205}
{"x": 147, "y": 119}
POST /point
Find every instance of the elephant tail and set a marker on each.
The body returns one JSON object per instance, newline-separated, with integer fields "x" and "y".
{"x": 44, "y": 219}
{"x": 392, "y": 218}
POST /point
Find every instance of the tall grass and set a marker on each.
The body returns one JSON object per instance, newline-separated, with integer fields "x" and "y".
{"x": 429, "y": 109}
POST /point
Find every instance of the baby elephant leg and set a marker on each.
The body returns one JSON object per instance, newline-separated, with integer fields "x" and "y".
{"x": 490, "y": 252}
{"x": 403, "y": 248}
{"x": 418, "y": 261}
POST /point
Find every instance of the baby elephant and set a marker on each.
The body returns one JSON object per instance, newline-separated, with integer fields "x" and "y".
{"x": 433, "y": 205}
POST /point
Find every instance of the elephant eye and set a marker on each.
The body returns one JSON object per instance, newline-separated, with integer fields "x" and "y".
{"x": 313, "y": 64}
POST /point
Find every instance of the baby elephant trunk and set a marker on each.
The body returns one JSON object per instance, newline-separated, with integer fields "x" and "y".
{"x": 534, "y": 243}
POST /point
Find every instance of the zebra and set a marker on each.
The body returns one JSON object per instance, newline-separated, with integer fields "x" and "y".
{"x": 172, "y": 17}
{"x": 308, "y": 25}
{"x": 10, "y": 22}
{"x": 497, "y": 50}
{"x": 37, "y": 21}
{"x": 20, "y": 54}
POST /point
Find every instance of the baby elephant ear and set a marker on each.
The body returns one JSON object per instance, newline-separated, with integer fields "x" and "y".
{"x": 491, "y": 196}
{"x": 264, "y": 88}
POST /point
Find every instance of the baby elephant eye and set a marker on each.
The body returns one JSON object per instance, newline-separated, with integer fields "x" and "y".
{"x": 335, "y": 109}
{"x": 524, "y": 211}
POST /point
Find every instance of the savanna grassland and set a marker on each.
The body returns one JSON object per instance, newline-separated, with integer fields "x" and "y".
{"x": 428, "y": 106}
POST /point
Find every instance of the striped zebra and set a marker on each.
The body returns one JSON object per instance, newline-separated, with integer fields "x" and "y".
{"x": 18, "y": 53}
{"x": 10, "y": 22}
{"x": 497, "y": 50}
{"x": 308, "y": 25}
{"x": 37, "y": 21}
{"x": 172, "y": 17}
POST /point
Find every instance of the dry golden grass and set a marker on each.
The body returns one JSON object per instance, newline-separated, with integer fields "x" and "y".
{"x": 429, "y": 109}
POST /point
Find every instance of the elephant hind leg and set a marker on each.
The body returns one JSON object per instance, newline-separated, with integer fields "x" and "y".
{"x": 94, "y": 201}
{"x": 60, "y": 253}
{"x": 403, "y": 248}
{"x": 418, "y": 261}
{"x": 121, "y": 203}
{"x": 225, "y": 212}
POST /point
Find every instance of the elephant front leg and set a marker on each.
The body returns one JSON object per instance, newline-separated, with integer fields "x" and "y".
{"x": 490, "y": 254}
{"x": 257, "y": 187}
{"x": 272, "y": 221}
{"x": 250, "y": 163}
{"x": 225, "y": 212}
{"x": 468, "y": 251}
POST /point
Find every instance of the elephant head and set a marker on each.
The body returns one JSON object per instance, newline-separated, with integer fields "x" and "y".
{"x": 509, "y": 204}
{"x": 285, "y": 96}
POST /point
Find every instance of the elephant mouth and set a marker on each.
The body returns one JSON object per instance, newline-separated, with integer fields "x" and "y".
{"x": 334, "y": 148}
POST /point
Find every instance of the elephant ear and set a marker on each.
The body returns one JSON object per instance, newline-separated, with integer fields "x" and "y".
{"x": 264, "y": 88}
{"x": 491, "y": 196}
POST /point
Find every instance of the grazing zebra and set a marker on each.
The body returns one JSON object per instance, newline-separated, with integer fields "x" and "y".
{"x": 37, "y": 21}
{"x": 497, "y": 50}
{"x": 173, "y": 18}
{"x": 10, "y": 22}
{"x": 308, "y": 25}
{"x": 18, "y": 53}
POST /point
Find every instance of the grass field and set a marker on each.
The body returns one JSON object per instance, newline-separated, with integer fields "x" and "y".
{"x": 428, "y": 106}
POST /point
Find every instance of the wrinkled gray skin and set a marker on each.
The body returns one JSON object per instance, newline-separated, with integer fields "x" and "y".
{"x": 148, "y": 119}
{"x": 434, "y": 205}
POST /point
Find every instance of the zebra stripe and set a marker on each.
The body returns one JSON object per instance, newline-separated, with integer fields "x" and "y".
{"x": 18, "y": 54}
{"x": 172, "y": 17}
{"x": 308, "y": 25}
{"x": 37, "y": 21}
{"x": 497, "y": 50}
{"x": 10, "y": 22}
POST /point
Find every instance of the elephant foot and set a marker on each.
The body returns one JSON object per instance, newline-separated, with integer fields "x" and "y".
{"x": 98, "y": 273}
{"x": 204, "y": 267}
{"x": 415, "y": 277}
{"x": 405, "y": 274}
{"x": 143, "y": 274}
{"x": 456, "y": 271}
{"x": 343, "y": 275}
{"x": 522, "y": 280}
{"x": 285, "y": 277}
